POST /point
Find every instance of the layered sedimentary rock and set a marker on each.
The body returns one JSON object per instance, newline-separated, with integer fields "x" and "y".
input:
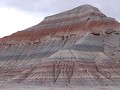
{"x": 77, "y": 47}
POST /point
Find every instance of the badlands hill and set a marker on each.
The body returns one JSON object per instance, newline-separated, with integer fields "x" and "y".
{"x": 79, "y": 47}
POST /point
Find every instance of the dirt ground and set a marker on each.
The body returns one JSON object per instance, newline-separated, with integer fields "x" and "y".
{"x": 6, "y": 86}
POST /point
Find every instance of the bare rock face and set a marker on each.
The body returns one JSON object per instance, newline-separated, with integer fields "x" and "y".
{"x": 79, "y": 47}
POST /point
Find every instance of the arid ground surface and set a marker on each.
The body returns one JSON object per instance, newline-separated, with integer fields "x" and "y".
{"x": 13, "y": 86}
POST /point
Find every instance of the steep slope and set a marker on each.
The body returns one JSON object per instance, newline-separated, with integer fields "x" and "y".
{"x": 77, "y": 47}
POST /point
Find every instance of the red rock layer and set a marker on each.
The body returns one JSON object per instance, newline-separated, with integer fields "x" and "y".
{"x": 64, "y": 73}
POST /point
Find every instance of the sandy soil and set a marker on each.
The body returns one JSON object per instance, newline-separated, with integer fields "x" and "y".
{"x": 5, "y": 86}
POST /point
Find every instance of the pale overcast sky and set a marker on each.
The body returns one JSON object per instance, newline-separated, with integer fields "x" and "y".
{"x": 16, "y": 15}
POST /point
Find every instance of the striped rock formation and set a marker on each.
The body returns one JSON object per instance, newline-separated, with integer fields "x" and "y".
{"x": 79, "y": 47}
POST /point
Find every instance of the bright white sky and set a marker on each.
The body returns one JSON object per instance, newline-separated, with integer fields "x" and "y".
{"x": 12, "y": 20}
